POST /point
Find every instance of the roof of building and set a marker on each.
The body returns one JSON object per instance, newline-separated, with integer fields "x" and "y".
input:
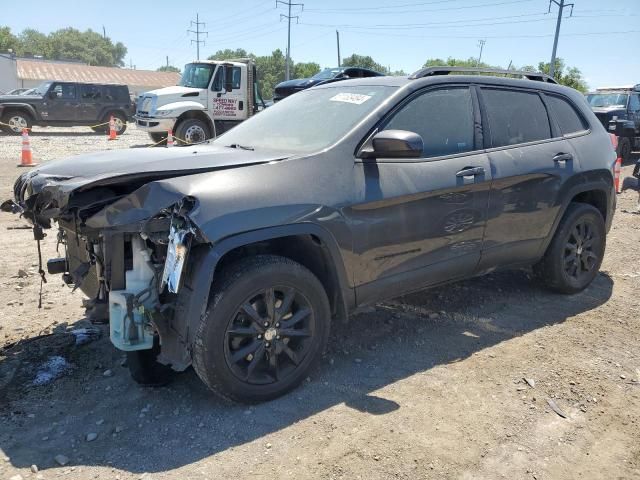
{"x": 29, "y": 69}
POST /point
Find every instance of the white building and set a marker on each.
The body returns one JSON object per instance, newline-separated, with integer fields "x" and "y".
{"x": 31, "y": 72}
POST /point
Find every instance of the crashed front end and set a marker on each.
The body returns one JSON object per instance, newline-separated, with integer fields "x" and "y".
{"x": 126, "y": 243}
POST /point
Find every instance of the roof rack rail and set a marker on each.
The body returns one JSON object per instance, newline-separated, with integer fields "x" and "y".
{"x": 432, "y": 71}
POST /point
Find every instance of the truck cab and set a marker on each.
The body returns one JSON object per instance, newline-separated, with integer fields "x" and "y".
{"x": 211, "y": 98}
{"x": 618, "y": 109}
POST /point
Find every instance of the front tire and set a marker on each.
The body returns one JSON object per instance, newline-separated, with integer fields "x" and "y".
{"x": 146, "y": 370}
{"x": 192, "y": 130}
{"x": 16, "y": 121}
{"x": 266, "y": 326}
{"x": 575, "y": 254}
{"x": 120, "y": 122}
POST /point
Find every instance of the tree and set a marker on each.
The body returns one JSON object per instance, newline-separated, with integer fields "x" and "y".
{"x": 457, "y": 62}
{"x": 168, "y": 68}
{"x": 356, "y": 60}
{"x": 7, "y": 40}
{"x": 32, "y": 42}
{"x": 65, "y": 44}
{"x": 569, "y": 76}
{"x": 305, "y": 70}
{"x": 229, "y": 54}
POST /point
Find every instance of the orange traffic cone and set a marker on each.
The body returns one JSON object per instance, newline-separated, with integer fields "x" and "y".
{"x": 27, "y": 154}
{"x": 616, "y": 174}
{"x": 112, "y": 129}
{"x": 170, "y": 138}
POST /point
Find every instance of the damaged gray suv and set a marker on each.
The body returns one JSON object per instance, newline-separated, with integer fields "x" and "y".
{"x": 236, "y": 256}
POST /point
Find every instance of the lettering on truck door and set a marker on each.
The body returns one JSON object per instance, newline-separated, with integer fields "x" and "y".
{"x": 229, "y": 105}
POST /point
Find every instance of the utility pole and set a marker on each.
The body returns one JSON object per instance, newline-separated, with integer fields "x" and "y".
{"x": 481, "y": 45}
{"x": 289, "y": 4}
{"x": 167, "y": 61}
{"x": 561, "y": 6}
{"x": 338, "y": 39}
{"x": 198, "y": 32}
{"x": 104, "y": 32}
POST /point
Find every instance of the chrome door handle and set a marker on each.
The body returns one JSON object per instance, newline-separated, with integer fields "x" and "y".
{"x": 563, "y": 157}
{"x": 470, "y": 172}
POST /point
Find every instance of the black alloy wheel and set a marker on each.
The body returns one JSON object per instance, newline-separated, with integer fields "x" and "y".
{"x": 269, "y": 335}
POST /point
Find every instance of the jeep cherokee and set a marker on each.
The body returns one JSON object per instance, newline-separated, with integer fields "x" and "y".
{"x": 236, "y": 256}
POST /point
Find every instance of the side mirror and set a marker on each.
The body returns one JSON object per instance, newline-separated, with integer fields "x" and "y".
{"x": 395, "y": 144}
{"x": 228, "y": 78}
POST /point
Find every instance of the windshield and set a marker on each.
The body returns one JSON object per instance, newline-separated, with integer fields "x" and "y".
{"x": 327, "y": 73}
{"x": 43, "y": 88}
{"x": 607, "y": 99}
{"x": 308, "y": 121}
{"x": 197, "y": 75}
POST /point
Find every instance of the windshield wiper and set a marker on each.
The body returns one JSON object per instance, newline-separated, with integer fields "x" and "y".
{"x": 242, "y": 147}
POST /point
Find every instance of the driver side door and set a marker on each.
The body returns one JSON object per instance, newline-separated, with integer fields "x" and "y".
{"x": 420, "y": 222}
{"x": 229, "y": 105}
{"x": 63, "y": 104}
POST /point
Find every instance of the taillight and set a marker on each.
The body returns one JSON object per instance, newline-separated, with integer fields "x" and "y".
{"x": 614, "y": 141}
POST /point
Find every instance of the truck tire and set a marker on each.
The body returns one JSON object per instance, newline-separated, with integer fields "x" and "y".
{"x": 624, "y": 149}
{"x": 575, "y": 254}
{"x": 15, "y": 121}
{"x": 192, "y": 130}
{"x": 158, "y": 138}
{"x": 265, "y": 328}
{"x": 144, "y": 368}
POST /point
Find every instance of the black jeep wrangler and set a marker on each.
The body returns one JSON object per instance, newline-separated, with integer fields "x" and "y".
{"x": 618, "y": 109}
{"x": 235, "y": 257}
{"x": 67, "y": 104}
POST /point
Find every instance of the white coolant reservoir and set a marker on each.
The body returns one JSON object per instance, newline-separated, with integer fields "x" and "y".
{"x": 127, "y": 318}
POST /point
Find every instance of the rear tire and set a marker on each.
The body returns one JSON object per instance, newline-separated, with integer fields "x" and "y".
{"x": 624, "y": 149}
{"x": 146, "y": 370}
{"x": 575, "y": 254}
{"x": 17, "y": 121}
{"x": 266, "y": 326}
{"x": 120, "y": 122}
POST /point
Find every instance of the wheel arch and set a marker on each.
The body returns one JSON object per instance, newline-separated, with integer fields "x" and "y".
{"x": 307, "y": 244}
{"x": 597, "y": 192}
{"x": 20, "y": 107}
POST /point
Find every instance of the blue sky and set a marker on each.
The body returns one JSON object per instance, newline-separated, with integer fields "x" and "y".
{"x": 401, "y": 34}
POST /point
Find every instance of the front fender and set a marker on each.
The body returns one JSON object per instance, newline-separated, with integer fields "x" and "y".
{"x": 194, "y": 295}
{"x": 181, "y": 107}
{"x": 20, "y": 106}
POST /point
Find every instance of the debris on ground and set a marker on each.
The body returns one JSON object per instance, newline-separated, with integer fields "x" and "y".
{"x": 54, "y": 368}
{"x": 86, "y": 335}
{"x": 554, "y": 406}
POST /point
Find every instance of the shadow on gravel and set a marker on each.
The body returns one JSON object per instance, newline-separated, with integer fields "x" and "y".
{"x": 152, "y": 430}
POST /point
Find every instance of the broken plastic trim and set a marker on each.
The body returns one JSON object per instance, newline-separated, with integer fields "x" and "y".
{"x": 180, "y": 235}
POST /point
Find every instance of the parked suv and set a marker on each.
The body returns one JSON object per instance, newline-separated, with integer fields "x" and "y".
{"x": 66, "y": 104}
{"x": 328, "y": 75}
{"x": 236, "y": 257}
{"x": 618, "y": 109}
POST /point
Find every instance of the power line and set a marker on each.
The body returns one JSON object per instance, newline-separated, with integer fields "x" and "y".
{"x": 561, "y": 6}
{"x": 364, "y": 12}
{"x": 198, "y": 32}
{"x": 289, "y": 4}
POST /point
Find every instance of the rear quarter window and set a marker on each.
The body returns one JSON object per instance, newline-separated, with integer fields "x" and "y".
{"x": 515, "y": 117}
{"x": 115, "y": 93}
{"x": 566, "y": 116}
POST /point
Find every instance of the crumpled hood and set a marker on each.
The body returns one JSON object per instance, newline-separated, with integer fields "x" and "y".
{"x": 59, "y": 179}
{"x": 300, "y": 83}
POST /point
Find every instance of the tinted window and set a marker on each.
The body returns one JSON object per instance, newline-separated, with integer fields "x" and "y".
{"x": 568, "y": 119}
{"x": 66, "y": 92}
{"x": 444, "y": 119}
{"x": 116, "y": 93}
{"x": 515, "y": 117}
{"x": 89, "y": 92}
{"x": 634, "y": 103}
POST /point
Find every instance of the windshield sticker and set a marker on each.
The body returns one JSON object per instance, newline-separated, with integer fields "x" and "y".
{"x": 355, "y": 98}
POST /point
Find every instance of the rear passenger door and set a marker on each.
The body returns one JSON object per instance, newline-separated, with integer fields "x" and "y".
{"x": 90, "y": 98}
{"x": 530, "y": 162}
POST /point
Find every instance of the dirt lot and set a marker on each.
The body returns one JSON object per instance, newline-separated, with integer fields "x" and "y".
{"x": 428, "y": 386}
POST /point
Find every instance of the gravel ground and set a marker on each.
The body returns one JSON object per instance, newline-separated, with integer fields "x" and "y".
{"x": 431, "y": 385}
